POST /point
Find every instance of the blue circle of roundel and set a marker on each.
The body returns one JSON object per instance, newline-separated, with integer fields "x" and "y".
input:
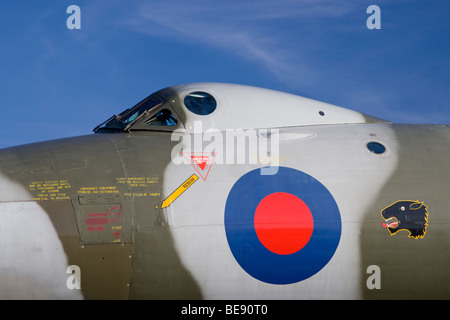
{"x": 252, "y": 255}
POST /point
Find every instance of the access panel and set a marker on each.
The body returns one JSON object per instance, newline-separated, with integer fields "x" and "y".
{"x": 100, "y": 219}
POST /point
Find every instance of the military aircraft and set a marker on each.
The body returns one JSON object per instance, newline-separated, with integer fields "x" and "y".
{"x": 225, "y": 191}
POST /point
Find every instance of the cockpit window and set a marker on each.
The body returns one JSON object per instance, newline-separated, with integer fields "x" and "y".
{"x": 200, "y": 103}
{"x": 127, "y": 117}
{"x": 162, "y": 118}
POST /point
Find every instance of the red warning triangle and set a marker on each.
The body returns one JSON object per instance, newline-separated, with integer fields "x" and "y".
{"x": 201, "y": 161}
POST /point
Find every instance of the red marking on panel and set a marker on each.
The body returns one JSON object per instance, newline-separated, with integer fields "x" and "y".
{"x": 101, "y": 219}
{"x": 283, "y": 223}
{"x": 96, "y": 221}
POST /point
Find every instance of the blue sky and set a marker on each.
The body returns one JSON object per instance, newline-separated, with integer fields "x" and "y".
{"x": 57, "y": 82}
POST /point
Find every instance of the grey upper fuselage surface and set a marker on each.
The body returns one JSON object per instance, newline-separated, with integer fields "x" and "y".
{"x": 220, "y": 191}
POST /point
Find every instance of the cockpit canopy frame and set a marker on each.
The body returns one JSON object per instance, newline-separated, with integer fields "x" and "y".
{"x": 153, "y": 113}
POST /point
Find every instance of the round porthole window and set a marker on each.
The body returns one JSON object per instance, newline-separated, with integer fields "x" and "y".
{"x": 200, "y": 103}
{"x": 376, "y": 147}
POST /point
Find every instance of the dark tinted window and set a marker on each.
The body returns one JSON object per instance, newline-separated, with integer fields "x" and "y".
{"x": 200, "y": 103}
{"x": 376, "y": 147}
{"x": 162, "y": 118}
{"x": 129, "y": 116}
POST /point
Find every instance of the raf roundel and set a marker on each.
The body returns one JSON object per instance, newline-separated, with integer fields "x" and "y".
{"x": 281, "y": 228}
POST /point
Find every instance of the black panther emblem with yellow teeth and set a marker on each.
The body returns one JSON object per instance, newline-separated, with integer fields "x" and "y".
{"x": 406, "y": 215}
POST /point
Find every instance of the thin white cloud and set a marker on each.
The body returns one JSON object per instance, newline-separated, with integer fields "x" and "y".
{"x": 244, "y": 28}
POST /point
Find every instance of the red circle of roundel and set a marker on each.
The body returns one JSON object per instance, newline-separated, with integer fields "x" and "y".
{"x": 283, "y": 223}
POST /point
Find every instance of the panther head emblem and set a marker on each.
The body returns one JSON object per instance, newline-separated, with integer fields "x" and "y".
{"x": 406, "y": 215}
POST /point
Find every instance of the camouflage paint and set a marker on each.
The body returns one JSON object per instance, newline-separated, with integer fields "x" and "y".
{"x": 412, "y": 268}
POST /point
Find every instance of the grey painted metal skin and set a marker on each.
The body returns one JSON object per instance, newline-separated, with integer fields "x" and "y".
{"x": 96, "y": 202}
